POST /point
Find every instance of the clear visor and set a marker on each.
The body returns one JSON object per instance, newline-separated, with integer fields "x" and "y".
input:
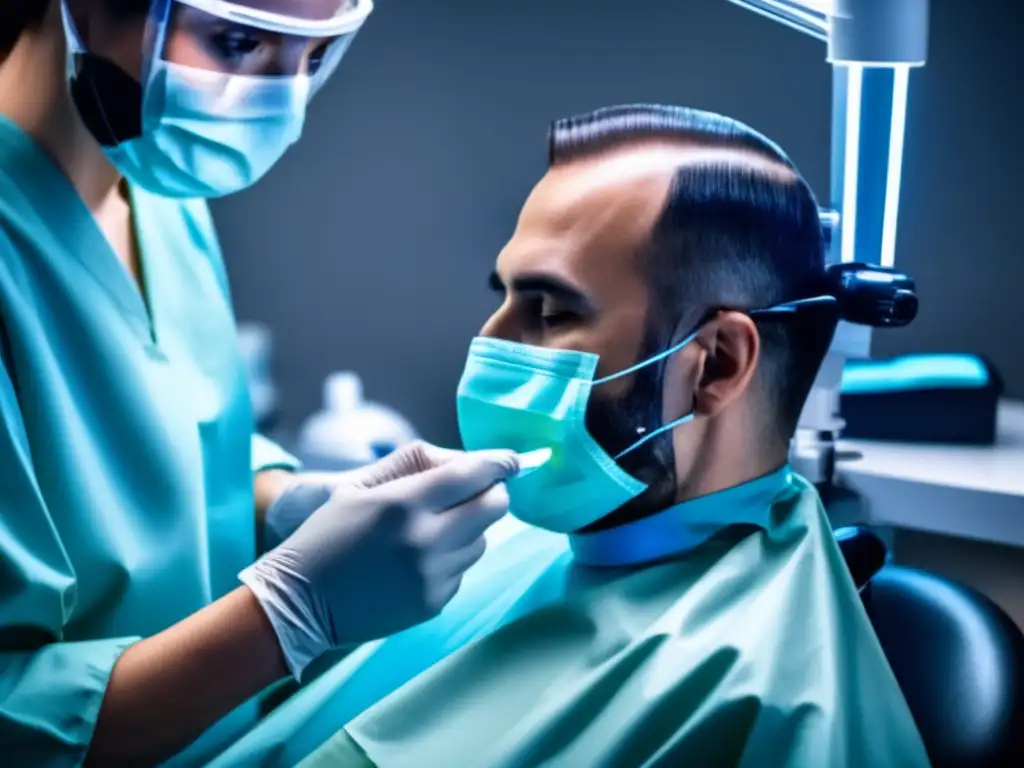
{"x": 242, "y": 39}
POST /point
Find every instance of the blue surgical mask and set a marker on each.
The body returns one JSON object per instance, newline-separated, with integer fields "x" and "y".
{"x": 206, "y": 134}
{"x": 527, "y": 398}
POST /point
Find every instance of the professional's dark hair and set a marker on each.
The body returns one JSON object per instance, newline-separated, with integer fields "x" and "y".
{"x": 18, "y": 17}
{"x": 731, "y": 235}
{"x": 128, "y": 7}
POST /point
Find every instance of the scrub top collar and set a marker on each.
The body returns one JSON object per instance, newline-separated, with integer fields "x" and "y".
{"x": 30, "y": 168}
{"x": 683, "y": 527}
{"x": 45, "y": 186}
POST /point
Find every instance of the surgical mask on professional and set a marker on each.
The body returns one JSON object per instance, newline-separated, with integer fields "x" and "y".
{"x": 224, "y": 90}
{"x": 527, "y": 399}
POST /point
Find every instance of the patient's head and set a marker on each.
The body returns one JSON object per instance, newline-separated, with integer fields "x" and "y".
{"x": 653, "y": 222}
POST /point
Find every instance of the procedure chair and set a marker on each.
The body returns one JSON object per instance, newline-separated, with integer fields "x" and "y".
{"x": 864, "y": 552}
{"x": 957, "y": 656}
{"x": 959, "y": 660}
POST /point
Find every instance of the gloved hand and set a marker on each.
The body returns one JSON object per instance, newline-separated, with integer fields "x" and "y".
{"x": 307, "y": 492}
{"x": 385, "y": 552}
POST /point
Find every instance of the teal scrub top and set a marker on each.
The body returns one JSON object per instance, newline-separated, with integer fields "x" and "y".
{"x": 723, "y": 631}
{"x": 127, "y": 450}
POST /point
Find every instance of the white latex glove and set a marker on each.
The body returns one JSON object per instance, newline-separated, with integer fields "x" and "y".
{"x": 308, "y": 492}
{"x": 385, "y": 552}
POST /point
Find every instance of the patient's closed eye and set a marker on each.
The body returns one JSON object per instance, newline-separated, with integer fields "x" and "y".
{"x": 555, "y": 318}
{"x": 542, "y": 301}
{"x": 544, "y": 311}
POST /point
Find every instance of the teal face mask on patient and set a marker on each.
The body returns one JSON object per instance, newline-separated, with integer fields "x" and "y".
{"x": 529, "y": 398}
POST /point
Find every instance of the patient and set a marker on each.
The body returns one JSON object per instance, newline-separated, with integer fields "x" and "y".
{"x": 652, "y": 336}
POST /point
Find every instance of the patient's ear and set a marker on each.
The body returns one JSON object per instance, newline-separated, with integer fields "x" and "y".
{"x": 731, "y": 344}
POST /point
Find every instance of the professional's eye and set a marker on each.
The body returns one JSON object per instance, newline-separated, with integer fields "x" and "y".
{"x": 235, "y": 43}
{"x": 316, "y": 59}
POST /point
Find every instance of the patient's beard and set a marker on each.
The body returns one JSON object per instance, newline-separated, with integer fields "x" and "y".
{"x": 614, "y": 424}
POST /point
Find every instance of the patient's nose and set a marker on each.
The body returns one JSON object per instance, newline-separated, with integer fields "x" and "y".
{"x": 503, "y": 324}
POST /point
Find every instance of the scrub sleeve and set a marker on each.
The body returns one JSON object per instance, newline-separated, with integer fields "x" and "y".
{"x": 50, "y": 691}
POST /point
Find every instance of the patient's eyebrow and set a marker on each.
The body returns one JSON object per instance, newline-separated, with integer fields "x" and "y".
{"x": 542, "y": 284}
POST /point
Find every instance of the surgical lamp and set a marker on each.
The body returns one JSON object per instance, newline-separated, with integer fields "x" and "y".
{"x": 872, "y": 46}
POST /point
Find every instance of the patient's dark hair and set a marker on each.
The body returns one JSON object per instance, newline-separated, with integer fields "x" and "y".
{"x": 731, "y": 235}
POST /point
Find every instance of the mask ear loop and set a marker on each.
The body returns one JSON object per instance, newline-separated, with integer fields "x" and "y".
{"x": 660, "y": 430}
{"x": 788, "y": 308}
{"x": 643, "y": 364}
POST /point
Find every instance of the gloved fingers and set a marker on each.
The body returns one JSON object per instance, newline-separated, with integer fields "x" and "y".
{"x": 408, "y": 460}
{"x": 454, "y": 482}
{"x": 291, "y": 509}
{"x": 329, "y": 480}
{"x": 449, "y": 564}
{"x": 427, "y": 456}
{"x": 442, "y": 593}
{"x": 461, "y": 525}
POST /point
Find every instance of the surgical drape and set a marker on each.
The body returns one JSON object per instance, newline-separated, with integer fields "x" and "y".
{"x": 751, "y": 649}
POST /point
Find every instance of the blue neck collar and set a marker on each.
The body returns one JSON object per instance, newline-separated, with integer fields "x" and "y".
{"x": 683, "y": 527}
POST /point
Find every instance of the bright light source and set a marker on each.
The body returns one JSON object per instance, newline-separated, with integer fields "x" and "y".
{"x": 897, "y": 130}
{"x": 851, "y": 162}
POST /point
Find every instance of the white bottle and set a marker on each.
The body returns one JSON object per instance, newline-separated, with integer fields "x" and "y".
{"x": 350, "y": 431}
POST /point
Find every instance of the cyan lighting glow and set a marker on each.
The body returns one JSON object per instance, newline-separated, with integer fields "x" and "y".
{"x": 851, "y": 163}
{"x": 897, "y": 131}
{"x": 914, "y": 372}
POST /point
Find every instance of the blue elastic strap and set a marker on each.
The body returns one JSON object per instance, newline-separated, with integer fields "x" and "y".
{"x": 790, "y": 307}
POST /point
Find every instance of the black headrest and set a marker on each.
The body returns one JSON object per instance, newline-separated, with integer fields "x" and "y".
{"x": 959, "y": 660}
{"x": 864, "y": 552}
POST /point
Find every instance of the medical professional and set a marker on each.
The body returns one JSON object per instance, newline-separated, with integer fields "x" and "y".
{"x": 133, "y": 491}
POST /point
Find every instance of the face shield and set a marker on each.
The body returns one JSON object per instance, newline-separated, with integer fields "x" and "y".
{"x": 224, "y": 39}
{"x": 221, "y": 93}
